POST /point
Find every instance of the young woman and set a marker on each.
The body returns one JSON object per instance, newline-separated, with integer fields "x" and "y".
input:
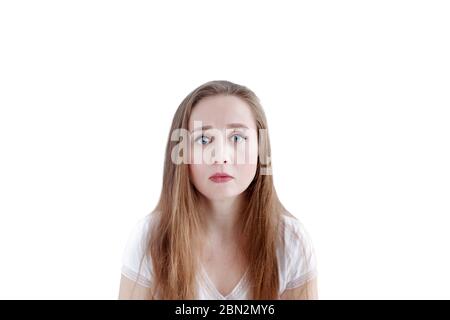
{"x": 219, "y": 230}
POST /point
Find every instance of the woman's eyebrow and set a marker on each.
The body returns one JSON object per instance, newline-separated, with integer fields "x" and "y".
{"x": 237, "y": 125}
{"x": 230, "y": 125}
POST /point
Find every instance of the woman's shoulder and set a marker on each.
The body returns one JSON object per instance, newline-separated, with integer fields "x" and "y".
{"x": 297, "y": 259}
{"x": 292, "y": 227}
{"x": 149, "y": 217}
{"x": 136, "y": 264}
{"x": 143, "y": 224}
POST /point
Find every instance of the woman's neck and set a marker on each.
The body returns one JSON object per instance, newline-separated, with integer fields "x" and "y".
{"x": 222, "y": 218}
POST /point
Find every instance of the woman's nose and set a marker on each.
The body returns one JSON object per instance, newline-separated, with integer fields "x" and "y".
{"x": 222, "y": 153}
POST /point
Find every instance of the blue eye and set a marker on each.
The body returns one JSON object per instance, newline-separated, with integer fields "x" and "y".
{"x": 238, "y": 138}
{"x": 203, "y": 139}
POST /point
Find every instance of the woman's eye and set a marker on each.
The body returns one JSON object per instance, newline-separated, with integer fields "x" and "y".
{"x": 236, "y": 138}
{"x": 203, "y": 139}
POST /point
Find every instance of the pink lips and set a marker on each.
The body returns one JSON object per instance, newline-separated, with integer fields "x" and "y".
{"x": 220, "y": 177}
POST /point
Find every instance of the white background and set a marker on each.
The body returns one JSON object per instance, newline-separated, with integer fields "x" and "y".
{"x": 357, "y": 95}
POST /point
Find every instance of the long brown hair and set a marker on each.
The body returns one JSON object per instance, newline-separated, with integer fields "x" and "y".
{"x": 173, "y": 242}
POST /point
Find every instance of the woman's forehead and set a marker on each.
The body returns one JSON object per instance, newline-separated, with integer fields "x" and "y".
{"x": 222, "y": 112}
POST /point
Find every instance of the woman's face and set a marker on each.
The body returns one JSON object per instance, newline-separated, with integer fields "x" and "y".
{"x": 223, "y": 140}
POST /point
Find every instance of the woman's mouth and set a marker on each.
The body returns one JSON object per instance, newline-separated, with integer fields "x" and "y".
{"x": 220, "y": 177}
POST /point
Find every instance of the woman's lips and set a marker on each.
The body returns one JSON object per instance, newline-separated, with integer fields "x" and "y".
{"x": 220, "y": 178}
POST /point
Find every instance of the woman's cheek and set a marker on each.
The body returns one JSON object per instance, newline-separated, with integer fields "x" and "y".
{"x": 197, "y": 171}
{"x": 246, "y": 174}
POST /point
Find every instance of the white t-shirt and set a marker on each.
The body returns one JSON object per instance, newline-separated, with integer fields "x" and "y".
{"x": 295, "y": 265}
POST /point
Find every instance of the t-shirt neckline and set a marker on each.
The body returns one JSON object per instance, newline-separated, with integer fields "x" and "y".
{"x": 234, "y": 292}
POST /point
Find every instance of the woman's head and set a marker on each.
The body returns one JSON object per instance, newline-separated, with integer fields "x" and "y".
{"x": 223, "y": 140}
{"x": 220, "y": 127}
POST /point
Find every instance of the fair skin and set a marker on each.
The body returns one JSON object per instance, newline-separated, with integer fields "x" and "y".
{"x": 128, "y": 290}
{"x": 221, "y": 203}
{"x": 307, "y": 291}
